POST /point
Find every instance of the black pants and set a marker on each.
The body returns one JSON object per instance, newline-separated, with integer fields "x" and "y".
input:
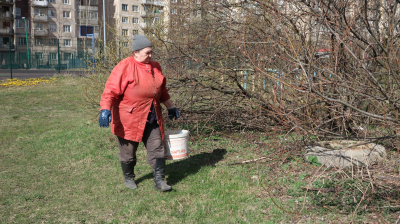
{"x": 152, "y": 141}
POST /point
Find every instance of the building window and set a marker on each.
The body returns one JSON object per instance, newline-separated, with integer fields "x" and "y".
{"x": 81, "y": 14}
{"x": 124, "y": 32}
{"x": 67, "y": 56}
{"x": 19, "y": 23}
{"x": 125, "y": 44}
{"x": 39, "y": 55}
{"x": 51, "y": 13}
{"x": 18, "y": 11}
{"x": 90, "y": 15}
{"x": 52, "y": 1}
{"x": 38, "y": 41}
{"x": 83, "y": 43}
{"x": 135, "y": 8}
{"x": 147, "y": 9}
{"x": 148, "y": 21}
{"x": 38, "y": 12}
{"x": 125, "y": 20}
{"x": 4, "y": 41}
{"x": 85, "y": 30}
{"x": 135, "y": 32}
{"x": 93, "y": 15}
{"x": 21, "y": 40}
{"x": 173, "y": 11}
{"x": 124, "y": 7}
{"x": 38, "y": 26}
{"x": 52, "y": 41}
{"x": 67, "y": 43}
{"x": 53, "y": 27}
{"x": 156, "y": 20}
{"x": 67, "y": 14}
{"x": 6, "y": 24}
{"x": 173, "y": 1}
{"x": 66, "y": 2}
{"x": 67, "y": 28}
{"x": 135, "y": 20}
{"x": 53, "y": 56}
{"x": 80, "y": 43}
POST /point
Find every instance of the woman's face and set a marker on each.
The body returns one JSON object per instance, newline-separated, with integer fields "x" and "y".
{"x": 143, "y": 55}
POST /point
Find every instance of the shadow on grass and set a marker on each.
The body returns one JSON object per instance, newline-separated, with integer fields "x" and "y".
{"x": 179, "y": 170}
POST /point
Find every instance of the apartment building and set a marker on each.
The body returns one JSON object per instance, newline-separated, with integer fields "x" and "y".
{"x": 75, "y": 22}
{"x": 87, "y": 24}
{"x": 45, "y": 28}
{"x": 132, "y": 17}
{"x": 6, "y": 24}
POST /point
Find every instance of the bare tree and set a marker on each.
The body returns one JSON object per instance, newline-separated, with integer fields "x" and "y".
{"x": 323, "y": 67}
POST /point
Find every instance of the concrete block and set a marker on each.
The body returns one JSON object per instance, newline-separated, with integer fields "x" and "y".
{"x": 346, "y": 153}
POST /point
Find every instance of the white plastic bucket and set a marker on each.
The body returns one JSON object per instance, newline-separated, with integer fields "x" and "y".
{"x": 176, "y": 144}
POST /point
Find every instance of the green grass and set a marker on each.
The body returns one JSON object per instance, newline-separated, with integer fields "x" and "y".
{"x": 58, "y": 166}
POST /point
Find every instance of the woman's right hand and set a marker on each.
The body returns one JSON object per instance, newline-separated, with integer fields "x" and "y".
{"x": 105, "y": 118}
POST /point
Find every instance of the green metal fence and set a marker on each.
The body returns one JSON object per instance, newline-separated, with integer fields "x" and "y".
{"x": 45, "y": 53}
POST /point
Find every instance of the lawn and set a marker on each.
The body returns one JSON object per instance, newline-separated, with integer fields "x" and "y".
{"x": 58, "y": 166}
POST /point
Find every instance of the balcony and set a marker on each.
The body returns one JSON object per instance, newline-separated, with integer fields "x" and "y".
{"x": 96, "y": 35}
{"x": 149, "y": 14}
{"x": 81, "y": 22}
{"x": 6, "y": 47}
{"x": 146, "y": 14}
{"x": 153, "y": 2}
{"x": 87, "y": 2}
{"x": 40, "y": 18}
{"x": 84, "y": 43}
{"x": 40, "y": 3}
{"x": 6, "y": 31}
{"x": 6, "y": 15}
{"x": 6, "y": 2}
{"x": 89, "y": 19}
{"x": 40, "y": 32}
{"x": 143, "y": 25}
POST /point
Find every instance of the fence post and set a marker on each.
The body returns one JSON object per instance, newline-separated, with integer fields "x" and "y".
{"x": 27, "y": 43}
{"x": 9, "y": 44}
{"x": 245, "y": 82}
{"x": 58, "y": 55}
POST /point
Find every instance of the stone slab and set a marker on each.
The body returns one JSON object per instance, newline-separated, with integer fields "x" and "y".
{"x": 344, "y": 154}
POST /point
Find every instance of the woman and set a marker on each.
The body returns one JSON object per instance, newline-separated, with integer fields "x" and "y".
{"x": 133, "y": 92}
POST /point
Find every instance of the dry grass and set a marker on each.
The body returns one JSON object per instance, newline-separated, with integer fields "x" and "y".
{"x": 58, "y": 166}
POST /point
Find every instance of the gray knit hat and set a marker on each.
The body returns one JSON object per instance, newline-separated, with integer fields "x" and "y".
{"x": 139, "y": 42}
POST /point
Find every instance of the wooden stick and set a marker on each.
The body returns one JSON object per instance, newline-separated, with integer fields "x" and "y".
{"x": 247, "y": 161}
{"x": 322, "y": 190}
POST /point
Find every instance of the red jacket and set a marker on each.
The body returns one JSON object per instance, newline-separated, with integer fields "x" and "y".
{"x": 129, "y": 91}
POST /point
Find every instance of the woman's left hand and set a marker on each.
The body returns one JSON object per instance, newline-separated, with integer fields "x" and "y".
{"x": 173, "y": 113}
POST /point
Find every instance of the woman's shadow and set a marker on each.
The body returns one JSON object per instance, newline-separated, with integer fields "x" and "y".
{"x": 177, "y": 171}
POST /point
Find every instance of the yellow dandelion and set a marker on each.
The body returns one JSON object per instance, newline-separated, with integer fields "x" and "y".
{"x": 25, "y": 82}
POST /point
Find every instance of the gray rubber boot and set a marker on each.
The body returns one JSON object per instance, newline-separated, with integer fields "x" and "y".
{"x": 127, "y": 170}
{"x": 159, "y": 175}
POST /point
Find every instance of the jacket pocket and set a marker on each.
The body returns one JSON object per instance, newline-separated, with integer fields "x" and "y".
{"x": 127, "y": 108}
